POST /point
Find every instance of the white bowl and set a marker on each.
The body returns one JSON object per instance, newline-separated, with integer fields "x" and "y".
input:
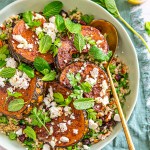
{"x": 126, "y": 52}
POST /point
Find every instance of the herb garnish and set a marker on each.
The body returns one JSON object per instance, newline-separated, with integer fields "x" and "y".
{"x": 50, "y": 76}
{"x": 60, "y": 23}
{"x": 28, "y": 18}
{"x": 16, "y": 105}
{"x": 52, "y": 9}
{"x": 30, "y": 133}
{"x": 13, "y": 94}
{"x": 87, "y": 18}
{"x": 7, "y": 72}
{"x": 4, "y": 52}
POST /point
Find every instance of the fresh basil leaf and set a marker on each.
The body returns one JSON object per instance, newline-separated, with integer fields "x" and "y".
{"x": 72, "y": 27}
{"x": 86, "y": 87}
{"x": 40, "y": 64}
{"x": 60, "y": 23}
{"x": 87, "y": 18}
{"x": 14, "y": 94}
{"x": 79, "y": 42}
{"x": 147, "y": 27}
{"x": 2, "y": 63}
{"x": 27, "y": 69}
{"x": 99, "y": 55}
{"x": 58, "y": 97}
{"x": 45, "y": 44}
{"x": 16, "y": 105}
{"x": 52, "y": 8}
{"x": 28, "y": 18}
{"x": 83, "y": 103}
{"x": 30, "y": 133}
{"x": 3, "y": 36}
{"x": 7, "y": 72}
{"x": 112, "y": 8}
{"x": 50, "y": 76}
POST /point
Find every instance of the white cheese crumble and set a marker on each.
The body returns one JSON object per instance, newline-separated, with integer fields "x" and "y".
{"x": 117, "y": 117}
{"x": 72, "y": 116}
{"x": 2, "y": 82}
{"x": 104, "y": 85}
{"x": 67, "y": 110}
{"x": 46, "y": 147}
{"x": 10, "y": 62}
{"x": 93, "y": 125}
{"x": 86, "y": 147}
{"x": 99, "y": 42}
{"x": 75, "y": 131}
{"x": 69, "y": 122}
{"x": 94, "y": 73}
{"x": 38, "y": 30}
{"x": 63, "y": 127}
{"x": 20, "y": 80}
{"x": 64, "y": 139}
{"x": 51, "y": 130}
{"x": 104, "y": 100}
{"x": 19, "y": 132}
{"x": 37, "y": 17}
{"x": 55, "y": 112}
{"x": 22, "y": 42}
{"x": 53, "y": 142}
{"x": 91, "y": 81}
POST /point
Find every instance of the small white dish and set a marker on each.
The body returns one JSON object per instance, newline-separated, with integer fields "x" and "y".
{"x": 126, "y": 52}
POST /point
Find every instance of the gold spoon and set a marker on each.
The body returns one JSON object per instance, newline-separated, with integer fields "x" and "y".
{"x": 107, "y": 28}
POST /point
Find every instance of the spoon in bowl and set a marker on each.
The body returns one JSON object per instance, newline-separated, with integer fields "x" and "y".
{"x": 107, "y": 28}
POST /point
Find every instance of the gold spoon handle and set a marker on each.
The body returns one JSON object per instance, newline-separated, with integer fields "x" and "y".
{"x": 123, "y": 121}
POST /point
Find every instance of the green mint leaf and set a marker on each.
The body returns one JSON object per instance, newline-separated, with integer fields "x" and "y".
{"x": 68, "y": 100}
{"x": 58, "y": 97}
{"x": 50, "y": 76}
{"x": 7, "y": 72}
{"x": 16, "y": 105}
{"x": 3, "y": 57}
{"x": 98, "y": 54}
{"x": 86, "y": 87}
{"x": 87, "y": 18}
{"x": 91, "y": 114}
{"x": 12, "y": 136}
{"x": 45, "y": 71}
{"x": 112, "y": 8}
{"x": 2, "y": 63}
{"x": 30, "y": 133}
{"x": 83, "y": 103}
{"x": 147, "y": 27}
{"x": 27, "y": 69}
{"x": 78, "y": 77}
{"x": 40, "y": 64}
{"x": 72, "y": 79}
{"x": 40, "y": 35}
{"x": 52, "y": 9}
{"x": 72, "y": 27}
{"x": 4, "y": 50}
{"x": 45, "y": 44}
{"x": 60, "y": 23}
{"x": 3, "y": 36}
{"x": 28, "y": 18}
{"x": 14, "y": 94}
{"x": 79, "y": 42}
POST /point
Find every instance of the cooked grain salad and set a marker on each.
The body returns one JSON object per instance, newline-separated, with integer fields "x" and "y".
{"x": 55, "y": 92}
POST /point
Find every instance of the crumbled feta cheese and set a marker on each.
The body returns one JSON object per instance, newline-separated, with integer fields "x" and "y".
{"x": 88, "y": 46}
{"x": 55, "y": 112}
{"x": 86, "y": 147}
{"x": 51, "y": 130}
{"x": 117, "y": 117}
{"x": 67, "y": 110}
{"x": 10, "y": 62}
{"x": 10, "y": 89}
{"x": 104, "y": 100}
{"x": 98, "y": 42}
{"x": 75, "y": 131}
{"x": 92, "y": 124}
{"x": 2, "y": 82}
{"x": 27, "y": 27}
{"x": 23, "y": 42}
{"x": 91, "y": 81}
{"x": 47, "y": 102}
{"x": 52, "y": 19}
{"x": 37, "y": 17}
{"x": 20, "y": 80}
{"x": 69, "y": 122}
{"x": 104, "y": 85}
{"x": 63, "y": 127}
{"x": 19, "y": 132}
{"x": 53, "y": 142}
{"x": 72, "y": 116}
{"x": 94, "y": 73}
{"x": 38, "y": 30}
{"x": 46, "y": 147}
{"x": 64, "y": 139}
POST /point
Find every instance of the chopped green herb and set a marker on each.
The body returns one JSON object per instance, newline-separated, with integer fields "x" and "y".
{"x": 14, "y": 94}
{"x": 60, "y": 23}
{"x": 3, "y": 36}
{"x": 91, "y": 114}
{"x": 45, "y": 44}
{"x": 58, "y": 97}
{"x": 87, "y": 18}
{"x": 52, "y": 9}
{"x": 12, "y": 136}
{"x": 50, "y": 76}
{"x": 30, "y": 133}
{"x": 2, "y": 63}
{"x": 112, "y": 68}
{"x": 86, "y": 87}
{"x": 27, "y": 69}
{"x": 3, "y": 119}
{"x": 7, "y": 72}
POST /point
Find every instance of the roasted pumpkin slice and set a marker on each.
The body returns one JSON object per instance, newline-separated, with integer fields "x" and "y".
{"x": 67, "y": 49}
{"x": 32, "y": 95}
{"x": 90, "y": 73}
{"x": 21, "y": 53}
{"x": 67, "y": 129}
